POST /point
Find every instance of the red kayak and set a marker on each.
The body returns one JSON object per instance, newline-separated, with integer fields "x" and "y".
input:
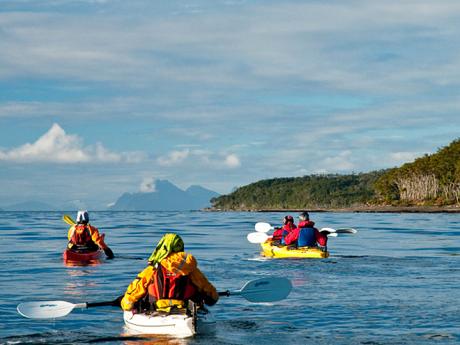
{"x": 71, "y": 255}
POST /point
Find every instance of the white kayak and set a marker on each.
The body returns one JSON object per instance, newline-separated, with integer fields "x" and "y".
{"x": 178, "y": 325}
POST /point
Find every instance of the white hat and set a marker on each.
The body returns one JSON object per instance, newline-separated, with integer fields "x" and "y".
{"x": 82, "y": 217}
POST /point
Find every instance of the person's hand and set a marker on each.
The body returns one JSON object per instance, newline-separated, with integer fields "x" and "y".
{"x": 108, "y": 252}
{"x": 118, "y": 301}
{"x": 210, "y": 301}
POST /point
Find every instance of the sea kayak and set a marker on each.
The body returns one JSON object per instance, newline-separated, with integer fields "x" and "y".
{"x": 274, "y": 251}
{"x": 179, "y": 324}
{"x": 82, "y": 256}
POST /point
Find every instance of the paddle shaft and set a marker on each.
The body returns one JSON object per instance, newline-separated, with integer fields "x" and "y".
{"x": 226, "y": 293}
{"x": 114, "y": 303}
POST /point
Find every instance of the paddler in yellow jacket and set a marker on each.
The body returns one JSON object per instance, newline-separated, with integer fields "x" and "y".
{"x": 85, "y": 237}
{"x": 170, "y": 280}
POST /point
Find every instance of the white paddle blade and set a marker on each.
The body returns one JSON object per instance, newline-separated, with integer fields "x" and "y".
{"x": 46, "y": 309}
{"x": 332, "y": 234}
{"x": 257, "y": 237}
{"x": 347, "y": 231}
{"x": 339, "y": 231}
{"x": 263, "y": 227}
{"x": 266, "y": 289}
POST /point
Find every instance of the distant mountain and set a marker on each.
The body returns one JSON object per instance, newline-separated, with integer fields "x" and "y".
{"x": 74, "y": 205}
{"x": 30, "y": 206}
{"x": 166, "y": 197}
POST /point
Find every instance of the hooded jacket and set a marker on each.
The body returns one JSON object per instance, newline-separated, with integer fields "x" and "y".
{"x": 180, "y": 263}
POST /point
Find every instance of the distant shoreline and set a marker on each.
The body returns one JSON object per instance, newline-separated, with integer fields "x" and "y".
{"x": 363, "y": 209}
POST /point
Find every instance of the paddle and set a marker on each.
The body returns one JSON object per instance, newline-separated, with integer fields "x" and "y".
{"x": 269, "y": 289}
{"x": 263, "y": 227}
{"x": 66, "y": 218}
{"x": 108, "y": 252}
{"x": 339, "y": 231}
{"x": 260, "y": 237}
{"x": 55, "y": 309}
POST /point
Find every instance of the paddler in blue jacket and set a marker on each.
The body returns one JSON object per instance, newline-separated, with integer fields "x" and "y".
{"x": 169, "y": 281}
{"x": 306, "y": 235}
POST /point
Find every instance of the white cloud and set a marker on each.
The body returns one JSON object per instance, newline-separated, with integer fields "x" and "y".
{"x": 197, "y": 158}
{"x": 147, "y": 185}
{"x": 397, "y": 158}
{"x": 55, "y": 146}
{"x": 340, "y": 162}
{"x": 232, "y": 161}
{"x": 173, "y": 158}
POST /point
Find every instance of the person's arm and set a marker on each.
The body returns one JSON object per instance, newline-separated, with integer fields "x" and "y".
{"x": 204, "y": 287}
{"x": 99, "y": 240}
{"x": 321, "y": 237}
{"x": 137, "y": 289}
{"x": 291, "y": 237}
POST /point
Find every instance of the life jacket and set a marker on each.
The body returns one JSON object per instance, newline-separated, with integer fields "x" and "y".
{"x": 307, "y": 238}
{"x": 168, "y": 285}
{"x": 81, "y": 236}
{"x": 307, "y": 234}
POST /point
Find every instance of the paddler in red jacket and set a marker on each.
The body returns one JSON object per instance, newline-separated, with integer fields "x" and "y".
{"x": 85, "y": 237}
{"x": 170, "y": 280}
{"x": 306, "y": 235}
{"x": 280, "y": 233}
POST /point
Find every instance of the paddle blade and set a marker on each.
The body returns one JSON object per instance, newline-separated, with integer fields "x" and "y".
{"x": 347, "y": 231}
{"x": 257, "y": 237}
{"x": 66, "y": 218}
{"x": 269, "y": 289}
{"x": 46, "y": 309}
{"x": 263, "y": 227}
{"x": 339, "y": 231}
{"x": 332, "y": 234}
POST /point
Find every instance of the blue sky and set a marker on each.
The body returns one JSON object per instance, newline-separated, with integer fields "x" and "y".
{"x": 102, "y": 97}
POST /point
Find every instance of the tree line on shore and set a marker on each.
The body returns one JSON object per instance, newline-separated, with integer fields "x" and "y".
{"x": 429, "y": 180}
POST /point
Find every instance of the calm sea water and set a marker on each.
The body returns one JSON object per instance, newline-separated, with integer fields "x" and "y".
{"x": 395, "y": 282}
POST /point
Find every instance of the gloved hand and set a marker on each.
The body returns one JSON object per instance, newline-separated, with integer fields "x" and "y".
{"x": 210, "y": 301}
{"x": 118, "y": 301}
{"x": 109, "y": 253}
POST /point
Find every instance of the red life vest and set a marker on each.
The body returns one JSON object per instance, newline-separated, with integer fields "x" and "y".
{"x": 169, "y": 285}
{"x": 81, "y": 235}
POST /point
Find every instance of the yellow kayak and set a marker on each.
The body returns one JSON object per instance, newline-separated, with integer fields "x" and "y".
{"x": 285, "y": 252}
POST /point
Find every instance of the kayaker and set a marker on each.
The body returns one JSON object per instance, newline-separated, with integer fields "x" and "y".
{"x": 170, "y": 280}
{"x": 306, "y": 235}
{"x": 280, "y": 233}
{"x": 85, "y": 237}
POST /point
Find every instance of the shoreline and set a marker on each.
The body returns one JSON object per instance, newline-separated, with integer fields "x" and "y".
{"x": 361, "y": 209}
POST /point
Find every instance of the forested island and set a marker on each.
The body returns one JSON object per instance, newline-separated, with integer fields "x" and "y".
{"x": 430, "y": 183}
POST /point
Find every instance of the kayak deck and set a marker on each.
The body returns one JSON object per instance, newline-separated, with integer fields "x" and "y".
{"x": 178, "y": 325}
{"x": 79, "y": 256}
{"x": 274, "y": 251}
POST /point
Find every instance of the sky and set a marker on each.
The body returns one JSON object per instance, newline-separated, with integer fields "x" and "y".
{"x": 103, "y": 97}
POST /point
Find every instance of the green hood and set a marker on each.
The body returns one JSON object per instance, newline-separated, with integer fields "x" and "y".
{"x": 170, "y": 243}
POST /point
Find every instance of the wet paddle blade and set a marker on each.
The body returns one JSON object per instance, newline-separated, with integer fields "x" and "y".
{"x": 339, "y": 231}
{"x": 263, "y": 227}
{"x": 66, "y": 218}
{"x": 269, "y": 289}
{"x": 347, "y": 231}
{"x": 257, "y": 237}
{"x": 46, "y": 309}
